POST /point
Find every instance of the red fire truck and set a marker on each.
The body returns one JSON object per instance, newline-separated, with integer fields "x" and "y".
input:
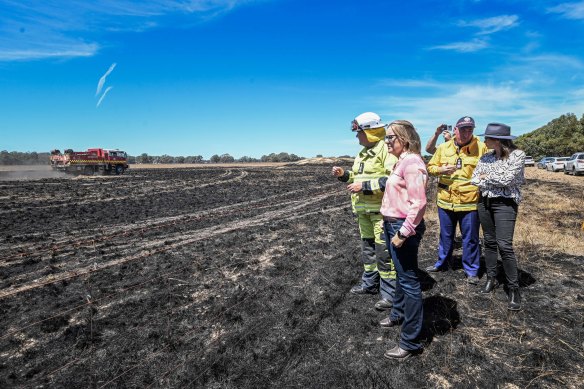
{"x": 101, "y": 161}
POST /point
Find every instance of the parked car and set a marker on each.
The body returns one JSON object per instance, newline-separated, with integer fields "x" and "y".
{"x": 556, "y": 164}
{"x": 575, "y": 164}
{"x": 529, "y": 161}
{"x": 542, "y": 163}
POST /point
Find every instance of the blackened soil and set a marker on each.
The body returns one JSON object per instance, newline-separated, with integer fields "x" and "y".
{"x": 239, "y": 278}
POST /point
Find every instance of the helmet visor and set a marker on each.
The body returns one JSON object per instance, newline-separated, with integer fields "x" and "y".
{"x": 355, "y": 126}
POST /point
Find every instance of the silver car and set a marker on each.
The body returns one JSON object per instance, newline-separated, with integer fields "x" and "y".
{"x": 575, "y": 164}
{"x": 556, "y": 164}
{"x": 529, "y": 161}
{"x": 542, "y": 163}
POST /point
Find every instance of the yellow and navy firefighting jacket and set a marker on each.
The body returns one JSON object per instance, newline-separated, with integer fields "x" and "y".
{"x": 455, "y": 192}
{"x": 371, "y": 167}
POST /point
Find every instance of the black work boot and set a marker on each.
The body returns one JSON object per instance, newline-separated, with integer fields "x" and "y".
{"x": 491, "y": 284}
{"x": 360, "y": 289}
{"x": 514, "y": 300}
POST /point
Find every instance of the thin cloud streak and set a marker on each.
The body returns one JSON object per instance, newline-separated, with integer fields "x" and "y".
{"x": 486, "y": 27}
{"x": 102, "y": 79}
{"x": 103, "y": 96}
{"x": 463, "y": 47}
{"x": 569, "y": 10}
{"x": 492, "y": 25}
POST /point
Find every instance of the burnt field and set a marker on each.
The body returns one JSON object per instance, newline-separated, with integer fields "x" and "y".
{"x": 238, "y": 277}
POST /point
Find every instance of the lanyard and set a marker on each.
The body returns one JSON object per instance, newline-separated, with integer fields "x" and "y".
{"x": 459, "y": 160}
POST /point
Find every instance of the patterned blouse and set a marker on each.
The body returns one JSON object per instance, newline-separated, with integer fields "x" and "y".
{"x": 503, "y": 176}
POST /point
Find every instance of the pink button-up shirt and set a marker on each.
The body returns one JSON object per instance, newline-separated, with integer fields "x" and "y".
{"x": 405, "y": 192}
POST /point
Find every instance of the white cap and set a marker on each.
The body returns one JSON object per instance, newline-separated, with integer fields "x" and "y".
{"x": 366, "y": 121}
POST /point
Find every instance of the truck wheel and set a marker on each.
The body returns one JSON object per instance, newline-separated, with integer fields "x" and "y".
{"x": 88, "y": 171}
{"x": 119, "y": 169}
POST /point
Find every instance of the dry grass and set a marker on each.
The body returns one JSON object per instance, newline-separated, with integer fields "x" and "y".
{"x": 551, "y": 214}
{"x": 539, "y": 341}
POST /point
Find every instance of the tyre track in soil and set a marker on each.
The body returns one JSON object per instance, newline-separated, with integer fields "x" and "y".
{"x": 162, "y": 245}
{"x": 107, "y": 249}
{"x": 194, "y": 333}
{"x": 195, "y": 356}
{"x": 133, "y": 195}
{"x": 86, "y": 238}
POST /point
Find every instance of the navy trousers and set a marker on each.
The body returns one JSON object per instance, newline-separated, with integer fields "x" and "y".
{"x": 469, "y": 228}
{"x": 407, "y": 302}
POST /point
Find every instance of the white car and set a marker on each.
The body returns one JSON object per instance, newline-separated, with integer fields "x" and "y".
{"x": 556, "y": 164}
{"x": 575, "y": 164}
{"x": 529, "y": 161}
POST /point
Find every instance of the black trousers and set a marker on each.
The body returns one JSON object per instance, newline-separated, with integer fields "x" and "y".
{"x": 497, "y": 216}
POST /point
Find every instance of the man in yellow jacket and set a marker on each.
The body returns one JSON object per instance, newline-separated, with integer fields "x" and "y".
{"x": 366, "y": 181}
{"x": 454, "y": 162}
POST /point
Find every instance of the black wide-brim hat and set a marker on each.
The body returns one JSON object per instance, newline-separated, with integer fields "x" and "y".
{"x": 498, "y": 131}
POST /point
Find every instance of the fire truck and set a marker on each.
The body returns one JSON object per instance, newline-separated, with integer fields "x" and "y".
{"x": 92, "y": 161}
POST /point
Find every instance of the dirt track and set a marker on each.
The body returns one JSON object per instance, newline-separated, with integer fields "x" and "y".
{"x": 225, "y": 277}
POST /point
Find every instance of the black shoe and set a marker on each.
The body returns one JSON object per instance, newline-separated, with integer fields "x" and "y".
{"x": 491, "y": 284}
{"x": 472, "y": 280}
{"x": 514, "y": 300}
{"x": 383, "y": 305}
{"x": 360, "y": 289}
{"x": 432, "y": 269}
{"x": 398, "y": 353}
{"x": 388, "y": 323}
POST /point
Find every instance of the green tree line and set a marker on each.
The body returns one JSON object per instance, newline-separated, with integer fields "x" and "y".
{"x": 34, "y": 158}
{"x": 23, "y": 158}
{"x": 561, "y": 137}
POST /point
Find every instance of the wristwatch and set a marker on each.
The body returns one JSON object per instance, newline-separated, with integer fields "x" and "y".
{"x": 399, "y": 235}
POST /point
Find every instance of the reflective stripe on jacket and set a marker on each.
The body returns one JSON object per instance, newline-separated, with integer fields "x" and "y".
{"x": 371, "y": 167}
{"x": 455, "y": 192}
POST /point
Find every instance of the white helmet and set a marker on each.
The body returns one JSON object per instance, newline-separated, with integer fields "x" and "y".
{"x": 366, "y": 121}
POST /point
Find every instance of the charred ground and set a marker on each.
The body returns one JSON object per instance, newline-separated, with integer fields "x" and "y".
{"x": 239, "y": 277}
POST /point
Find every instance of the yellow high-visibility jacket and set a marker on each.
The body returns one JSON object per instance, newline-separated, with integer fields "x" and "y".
{"x": 371, "y": 167}
{"x": 455, "y": 192}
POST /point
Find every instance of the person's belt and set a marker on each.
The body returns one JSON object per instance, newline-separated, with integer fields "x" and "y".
{"x": 443, "y": 186}
{"x": 390, "y": 219}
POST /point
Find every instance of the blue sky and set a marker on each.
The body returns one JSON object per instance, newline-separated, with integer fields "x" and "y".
{"x": 253, "y": 77}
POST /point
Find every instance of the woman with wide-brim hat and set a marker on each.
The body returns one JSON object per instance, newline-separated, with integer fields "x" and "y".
{"x": 499, "y": 175}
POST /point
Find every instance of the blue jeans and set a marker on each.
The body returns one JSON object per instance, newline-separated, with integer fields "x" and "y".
{"x": 407, "y": 303}
{"x": 469, "y": 228}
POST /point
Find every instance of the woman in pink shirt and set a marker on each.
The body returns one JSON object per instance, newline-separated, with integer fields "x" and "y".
{"x": 403, "y": 207}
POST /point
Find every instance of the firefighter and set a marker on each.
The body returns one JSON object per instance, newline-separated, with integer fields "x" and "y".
{"x": 366, "y": 182}
{"x": 454, "y": 163}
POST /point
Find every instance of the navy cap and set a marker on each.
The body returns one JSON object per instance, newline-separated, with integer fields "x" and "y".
{"x": 465, "y": 121}
{"x": 498, "y": 131}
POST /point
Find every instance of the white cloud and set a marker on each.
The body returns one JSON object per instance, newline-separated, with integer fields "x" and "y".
{"x": 569, "y": 10}
{"x": 491, "y": 25}
{"x": 103, "y": 95}
{"x": 463, "y": 47}
{"x": 31, "y": 30}
{"x": 523, "y": 107}
{"x": 101, "y": 81}
{"x": 555, "y": 60}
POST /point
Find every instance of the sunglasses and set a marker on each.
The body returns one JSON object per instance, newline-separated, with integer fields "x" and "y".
{"x": 390, "y": 138}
